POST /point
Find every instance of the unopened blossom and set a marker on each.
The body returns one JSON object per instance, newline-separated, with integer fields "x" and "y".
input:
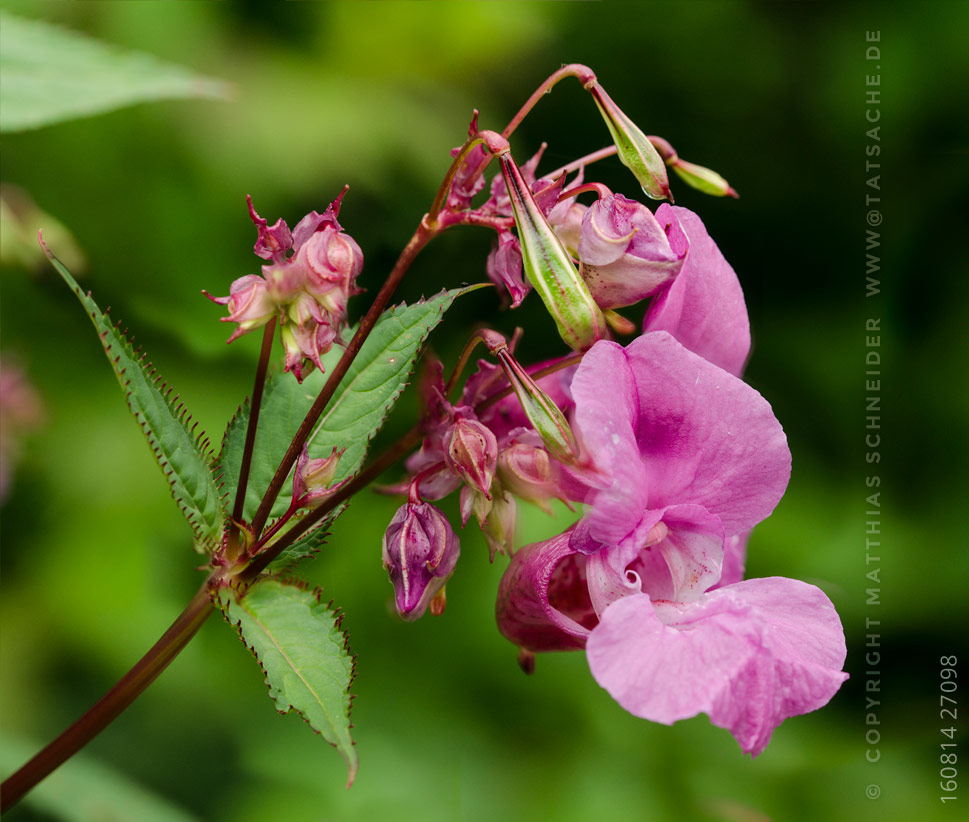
{"x": 504, "y": 267}
{"x": 420, "y": 552}
{"x": 624, "y": 253}
{"x": 310, "y": 273}
{"x": 313, "y": 479}
{"x": 704, "y": 306}
{"x": 634, "y": 148}
{"x": 527, "y": 471}
{"x": 471, "y": 452}
{"x": 249, "y": 303}
{"x": 687, "y": 460}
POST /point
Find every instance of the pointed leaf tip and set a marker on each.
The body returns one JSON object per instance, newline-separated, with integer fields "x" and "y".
{"x": 303, "y": 653}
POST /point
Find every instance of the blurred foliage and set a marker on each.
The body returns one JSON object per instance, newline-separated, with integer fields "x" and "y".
{"x": 97, "y": 561}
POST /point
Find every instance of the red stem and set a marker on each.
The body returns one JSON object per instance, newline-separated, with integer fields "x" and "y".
{"x": 110, "y": 706}
{"x": 255, "y": 404}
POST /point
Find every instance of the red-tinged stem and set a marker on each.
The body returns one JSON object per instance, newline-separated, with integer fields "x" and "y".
{"x": 600, "y": 190}
{"x": 110, "y": 706}
{"x": 358, "y": 483}
{"x": 254, "y": 406}
{"x": 589, "y": 159}
{"x": 584, "y": 74}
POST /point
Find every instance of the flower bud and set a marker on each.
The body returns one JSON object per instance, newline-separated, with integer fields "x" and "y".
{"x": 624, "y": 254}
{"x": 527, "y": 472}
{"x": 272, "y": 243}
{"x": 420, "y": 552}
{"x": 549, "y": 267}
{"x": 471, "y": 451}
{"x": 332, "y": 260}
{"x": 703, "y": 179}
{"x": 635, "y": 150}
{"x": 505, "y": 268}
{"x": 249, "y": 304}
{"x": 313, "y": 479}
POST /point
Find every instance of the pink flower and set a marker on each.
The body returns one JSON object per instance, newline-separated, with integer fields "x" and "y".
{"x": 624, "y": 253}
{"x": 687, "y": 459}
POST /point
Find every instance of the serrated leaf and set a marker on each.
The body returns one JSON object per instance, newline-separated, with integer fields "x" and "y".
{"x": 361, "y": 403}
{"x": 183, "y": 454}
{"x": 303, "y": 653}
{"x": 52, "y": 74}
{"x": 376, "y": 379}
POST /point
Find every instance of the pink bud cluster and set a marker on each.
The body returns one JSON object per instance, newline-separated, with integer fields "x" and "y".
{"x": 309, "y": 275}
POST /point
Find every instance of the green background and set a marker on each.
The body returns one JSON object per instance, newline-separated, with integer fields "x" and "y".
{"x": 96, "y": 560}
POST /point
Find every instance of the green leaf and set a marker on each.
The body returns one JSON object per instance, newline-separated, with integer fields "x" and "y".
{"x": 183, "y": 454}
{"x": 363, "y": 399}
{"x": 303, "y": 653}
{"x": 51, "y": 74}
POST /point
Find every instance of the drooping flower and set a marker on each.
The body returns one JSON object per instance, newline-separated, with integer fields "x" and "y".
{"x": 624, "y": 253}
{"x": 420, "y": 552}
{"x": 688, "y": 459}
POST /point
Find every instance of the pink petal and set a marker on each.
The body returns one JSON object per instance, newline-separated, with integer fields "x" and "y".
{"x": 734, "y": 560}
{"x": 704, "y": 436}
{"x": 749, "y": 656}
{"x": 704, "y": 307}
{"x": 604, "y": 390}
{"x": 543, "y": 596}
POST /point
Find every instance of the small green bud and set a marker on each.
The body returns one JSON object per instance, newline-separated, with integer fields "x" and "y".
{"x": 635, "y": 150}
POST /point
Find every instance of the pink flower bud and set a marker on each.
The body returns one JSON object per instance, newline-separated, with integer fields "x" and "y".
{"x": 306, "y": 342}
{"x": 624, "y": 253}
{"x": 505, "y": 268}
{"x": 313, "y": 479}
{"x": 471, "y": 451}
{"x": 249, "y": 304}
{"x": 420, "y": 552}
{"x": 527, "y": 472}
{"x": 332, "y": 260}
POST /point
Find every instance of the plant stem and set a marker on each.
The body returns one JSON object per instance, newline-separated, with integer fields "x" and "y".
{"x": 254, "y": 406}
{"x": 110, "y": 706}
{"x": 584, "y": 74}
{"x": 589, "y": 159}
{"x": 360, "y": 481}
{"x": 421, "y": 237}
